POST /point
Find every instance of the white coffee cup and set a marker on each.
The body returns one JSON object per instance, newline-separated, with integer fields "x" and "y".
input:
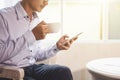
{"x": 54, "y": 27}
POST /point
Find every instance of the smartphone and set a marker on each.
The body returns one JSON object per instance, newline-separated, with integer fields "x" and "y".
{"x": 73, "y": 38}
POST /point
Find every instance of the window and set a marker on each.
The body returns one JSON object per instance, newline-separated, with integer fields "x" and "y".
{"x": 82, "y": 16}
{"x": 114, "y": 20}
{"x": 75, "y": 16}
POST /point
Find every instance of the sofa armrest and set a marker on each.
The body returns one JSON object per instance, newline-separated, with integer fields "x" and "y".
{"x": 14, "y": 73}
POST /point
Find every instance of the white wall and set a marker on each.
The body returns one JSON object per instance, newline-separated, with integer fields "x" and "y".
{"x": 81, "y": 53}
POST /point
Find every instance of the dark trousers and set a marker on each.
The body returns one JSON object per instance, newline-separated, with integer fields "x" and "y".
{"x": 46, "y": 72}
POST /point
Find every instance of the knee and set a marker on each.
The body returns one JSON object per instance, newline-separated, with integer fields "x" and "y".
{"x": 63, "y": 70}
{"x": 64, "y": 73}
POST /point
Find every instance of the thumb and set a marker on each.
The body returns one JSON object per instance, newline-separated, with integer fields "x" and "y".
{"x": 64, "y": 36}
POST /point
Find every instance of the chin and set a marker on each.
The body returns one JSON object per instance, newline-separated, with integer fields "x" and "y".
{"x": 39, "y": 10}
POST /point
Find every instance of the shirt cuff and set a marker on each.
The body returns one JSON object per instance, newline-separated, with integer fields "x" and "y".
{"x": 29, "y": 36}
{"x": 55, "y": 49}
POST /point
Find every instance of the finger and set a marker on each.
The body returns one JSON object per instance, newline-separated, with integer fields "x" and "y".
{"x": 62, "y": 47}
{"x": 44, "y": 34}
{"x": 67, "y": 44}
{"x": 71, "y": 41}
{"x": 75, "y": 38}
{"x": 64, "y": 37}
{"x": 65, "y": 47}
{"x": 44, "y": 27}
{"x": 46, "y": 30}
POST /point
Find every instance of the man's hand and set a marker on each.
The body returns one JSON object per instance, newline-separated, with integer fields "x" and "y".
{"x": 64, "y": 43}
{"x": 40, "y": 31}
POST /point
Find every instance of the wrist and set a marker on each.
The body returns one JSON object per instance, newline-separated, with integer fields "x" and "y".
{"x": 56, "y": 49}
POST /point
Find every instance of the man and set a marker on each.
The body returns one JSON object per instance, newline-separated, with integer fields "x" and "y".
{"x": 17, "y": 34}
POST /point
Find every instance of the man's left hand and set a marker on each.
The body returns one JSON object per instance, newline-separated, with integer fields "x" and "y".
{"x": 64, "y": 43}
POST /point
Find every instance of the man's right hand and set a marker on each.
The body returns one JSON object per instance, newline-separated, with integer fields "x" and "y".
{"x": 40, "y": 31}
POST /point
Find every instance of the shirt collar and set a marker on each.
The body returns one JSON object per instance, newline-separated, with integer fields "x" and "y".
{"x": 21, "y": 13}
